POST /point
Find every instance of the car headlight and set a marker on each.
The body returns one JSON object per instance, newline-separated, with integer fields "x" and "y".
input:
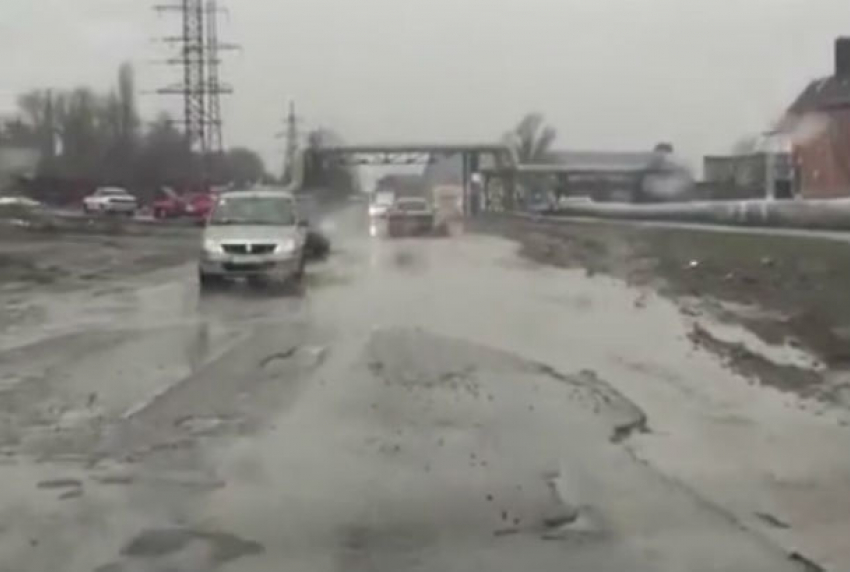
{"x": 286, "y": 246}
{"x": 212, "y": 245}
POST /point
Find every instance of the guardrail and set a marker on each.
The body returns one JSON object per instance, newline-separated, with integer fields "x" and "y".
{"x": 803, "y": 214}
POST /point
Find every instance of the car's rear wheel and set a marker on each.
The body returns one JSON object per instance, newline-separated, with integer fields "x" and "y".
{"x": 317, "y": 246}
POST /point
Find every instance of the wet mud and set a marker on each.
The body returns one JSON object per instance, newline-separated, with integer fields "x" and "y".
{"x": 443, "y": 405}
{"x": 788, "y": 291}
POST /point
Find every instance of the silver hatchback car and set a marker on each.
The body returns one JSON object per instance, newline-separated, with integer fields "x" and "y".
{"x": 253, "y": 234}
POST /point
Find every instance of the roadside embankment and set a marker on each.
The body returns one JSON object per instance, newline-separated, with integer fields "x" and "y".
{"x": 71, "y": 253}
{"x": 790, "y": 292}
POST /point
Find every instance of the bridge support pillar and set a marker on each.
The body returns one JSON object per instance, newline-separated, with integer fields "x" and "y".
{"x": 465, "y": 177}
{"x": 471, "y": 162}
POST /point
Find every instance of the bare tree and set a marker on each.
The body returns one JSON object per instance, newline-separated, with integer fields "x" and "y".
{"x": 531, "y": 139}
{"x": 98, "y": 137}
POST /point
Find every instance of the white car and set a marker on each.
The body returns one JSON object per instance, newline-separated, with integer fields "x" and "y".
{"x": 18, "y": 201}
{"x": 110, "y": 200}
{"x": 380, "y": 204}
{"x": 254, "y": 234}
{"x": 19, "y": 210}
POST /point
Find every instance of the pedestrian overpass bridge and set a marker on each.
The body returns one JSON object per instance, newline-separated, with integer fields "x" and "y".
{"x": 475, "y": 157}
{"x": 474, "y": 154}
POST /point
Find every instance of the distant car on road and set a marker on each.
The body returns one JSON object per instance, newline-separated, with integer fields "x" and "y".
{"x": 254, "y": 234}
{"x": 410, "y": 216}
{"x": 110, "y": 200}
{"x": 380, "y": 203}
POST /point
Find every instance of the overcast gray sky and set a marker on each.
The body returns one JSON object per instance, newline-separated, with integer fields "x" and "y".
{"x": 619, "y": 74}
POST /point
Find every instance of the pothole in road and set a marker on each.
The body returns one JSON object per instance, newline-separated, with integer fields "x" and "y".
{"x": 421, "y": 362}
{"x": 179, "y": 549}
{"x": 206, "y": 426}
{"x": 306, "y": 356}
{"x": 60, "y": 484}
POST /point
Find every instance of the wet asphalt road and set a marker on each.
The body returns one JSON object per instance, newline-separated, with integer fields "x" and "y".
{"x": 422, "y": 405}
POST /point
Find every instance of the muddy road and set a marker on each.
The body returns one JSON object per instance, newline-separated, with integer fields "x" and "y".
{"x": 422, "y": 405}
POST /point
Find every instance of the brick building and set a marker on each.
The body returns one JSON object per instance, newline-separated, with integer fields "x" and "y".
{"x": 818, "y": 123}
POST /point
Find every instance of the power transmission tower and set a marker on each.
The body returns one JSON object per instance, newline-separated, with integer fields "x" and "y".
{"x": 292, "y": 136}
{"x": 198, "y": 55}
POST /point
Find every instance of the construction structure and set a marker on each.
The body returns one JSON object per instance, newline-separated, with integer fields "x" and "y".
{"x": 198, "y": 55}
{"x": 472, "y": 157}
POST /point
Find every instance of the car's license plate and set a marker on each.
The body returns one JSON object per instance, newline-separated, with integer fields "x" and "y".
{"x": 245, "y": 267}
{"x": 246, "y": 259}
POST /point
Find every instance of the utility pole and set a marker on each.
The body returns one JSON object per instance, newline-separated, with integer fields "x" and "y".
{"x": 198, "y": 52}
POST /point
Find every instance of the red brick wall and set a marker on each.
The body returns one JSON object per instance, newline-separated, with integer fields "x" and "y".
{"x": 823, "y": 158}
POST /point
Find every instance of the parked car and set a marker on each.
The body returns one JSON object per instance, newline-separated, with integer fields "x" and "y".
{"x": 573, "y": 201}
{"x": 169, "y": 204}
{"x": 200, "y": 205}
{"x": 20, "y": 210}
{"x": 540, "y": 203}
{"x": 19, "y": 201}
{"x": 255, "y": 235}
{"x": 110, "y": 200}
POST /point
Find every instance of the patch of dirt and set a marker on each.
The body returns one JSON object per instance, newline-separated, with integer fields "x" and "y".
{"x": 165, "y": 541}
{"x": 799, "y": 285}
{"x": 61, "y": 262}
{"x": 755, "y": 366}
{"x": 17, "y": 267}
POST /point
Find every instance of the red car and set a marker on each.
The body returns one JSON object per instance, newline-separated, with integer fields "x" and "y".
{"x": 169, "y": 204}
{"x": 199, "y": 205}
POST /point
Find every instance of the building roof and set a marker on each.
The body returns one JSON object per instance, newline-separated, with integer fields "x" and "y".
{"x": 602, "y": 161}
{"x": 417, "y": 147}
{"x": 823, "y": 94}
